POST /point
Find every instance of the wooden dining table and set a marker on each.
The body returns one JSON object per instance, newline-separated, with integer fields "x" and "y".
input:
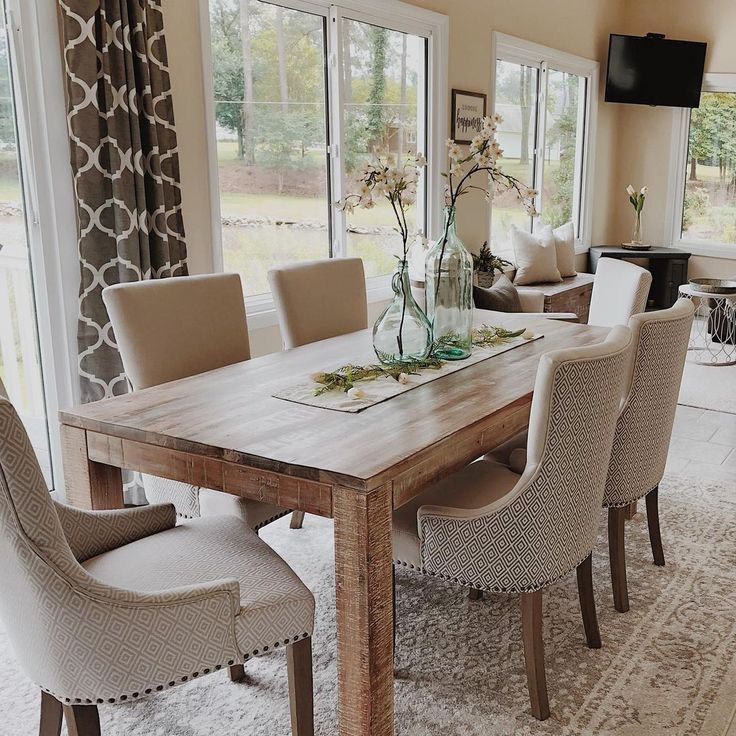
{"x": 224, "y": 430}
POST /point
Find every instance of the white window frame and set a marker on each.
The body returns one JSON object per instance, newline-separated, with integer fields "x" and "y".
{"x": 49, "y": 195}
{"x": 519, "y": 51}
{"x": 678, "y": 176}
{"x": 391, "y": 14}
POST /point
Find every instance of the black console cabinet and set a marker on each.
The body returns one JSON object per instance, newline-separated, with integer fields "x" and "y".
{"x": 668, "y": 267}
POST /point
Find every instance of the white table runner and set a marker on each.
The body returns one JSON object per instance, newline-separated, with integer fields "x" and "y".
{"x": 384, "y": 388}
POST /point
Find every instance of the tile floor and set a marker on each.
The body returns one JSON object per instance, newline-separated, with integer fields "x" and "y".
{"x": 704, "y": 443}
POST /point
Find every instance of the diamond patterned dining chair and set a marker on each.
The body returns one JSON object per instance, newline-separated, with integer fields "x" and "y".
{"x": 644, "y": 430}
{"x": 107, "y": 607}
{"x": 174, "y": 328}
{"x": 316, "y": 300}
{"x": 620, "y": 290}
{"x": 488, "y": 528}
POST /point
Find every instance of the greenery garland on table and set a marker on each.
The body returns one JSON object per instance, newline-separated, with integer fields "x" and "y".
{"x": 345, "y": 378}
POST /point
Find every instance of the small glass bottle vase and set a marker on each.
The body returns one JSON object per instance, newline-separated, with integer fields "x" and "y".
{"x": 637, "y": 235}
{"x": 449, "y": 290}
{"x": 402, "y": 333}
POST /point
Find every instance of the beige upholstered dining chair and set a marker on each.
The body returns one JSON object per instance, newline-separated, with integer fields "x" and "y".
{"x": 620, "y": 290}
{"x": 644, "y": 429}
{"x": 168, "y": 329}
{"x": 489, "y": 528}
{"x": 110, "y": 606}
{"x": 319, "y": 299}
{"x": 316, "y": 300}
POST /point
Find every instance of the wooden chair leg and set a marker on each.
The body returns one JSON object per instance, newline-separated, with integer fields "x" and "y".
{"x": 236, "y": 672}
{"x": 82, "y": 720}
{"x": 297, "y": 519}
{"x": 655, "y": 536}
{"x": 531, "y": 628}
{"x": 587, "y": 602}
{"x": 475, "y": 595}
{"x": 631, "y": 510}
{"x": 52, "y": 714}
{"x": 299, "y": 665}
{"x": 617, "y": 553}
{"x": 393, "y": 601}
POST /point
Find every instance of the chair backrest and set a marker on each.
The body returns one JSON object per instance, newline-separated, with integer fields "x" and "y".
{"x": 620, "y": 290}
{"x": 577, "y": 397}
{"x": 319, "y": 299}
{"x": 644, "y": 427}
{"x": 37, "y": 563}
{"x": 548, "y": 523}
{"x": 177, "y": 327}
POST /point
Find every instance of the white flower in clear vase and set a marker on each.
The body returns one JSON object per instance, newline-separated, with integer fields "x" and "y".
{"x": 644, "y": 190}
{"x": 421, "y": 160}
{"x": 630, "y": 190}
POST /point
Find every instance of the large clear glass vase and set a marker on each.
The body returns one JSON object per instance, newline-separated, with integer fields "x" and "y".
{"x": 402, "y": 333}
{"x": 449, "y": 291}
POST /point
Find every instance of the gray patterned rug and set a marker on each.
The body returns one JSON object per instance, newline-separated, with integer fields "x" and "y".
{"x": 666, "y": 667}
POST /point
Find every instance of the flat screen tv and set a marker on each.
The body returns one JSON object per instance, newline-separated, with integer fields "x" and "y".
{"x": 653, "y": 70}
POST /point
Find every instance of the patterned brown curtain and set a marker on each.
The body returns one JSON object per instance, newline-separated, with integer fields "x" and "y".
{"x": 125, "y": 163}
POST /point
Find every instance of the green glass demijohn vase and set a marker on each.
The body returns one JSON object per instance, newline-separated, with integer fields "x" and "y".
{"x": 449, "y": 291}
{"x": 402, "y": 333}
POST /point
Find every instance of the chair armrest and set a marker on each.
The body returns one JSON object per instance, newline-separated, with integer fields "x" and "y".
{"x": 152, "y": 640}
{"x": 90, "y": 533}
{"x": 531, "y": 300}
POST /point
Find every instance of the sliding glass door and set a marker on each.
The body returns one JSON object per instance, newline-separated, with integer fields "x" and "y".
{"x": 20, "y": 363}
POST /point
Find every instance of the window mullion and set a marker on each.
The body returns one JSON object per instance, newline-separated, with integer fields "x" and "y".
{"x": 540, "y": 137}
{"x": 338, "y": 247}
{"x": 580, "y": 155}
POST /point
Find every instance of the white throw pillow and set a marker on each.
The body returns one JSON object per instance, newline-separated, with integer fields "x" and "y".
{"x": 565, "y": 245}
{"x": 536, "y": 257}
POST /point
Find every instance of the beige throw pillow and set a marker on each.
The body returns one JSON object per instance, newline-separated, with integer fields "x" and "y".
{"x": 565, "y": 246}
{"x": 535, "y": 255}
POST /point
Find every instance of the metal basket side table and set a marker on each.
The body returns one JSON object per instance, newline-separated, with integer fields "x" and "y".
{"x": 713, "y": 337}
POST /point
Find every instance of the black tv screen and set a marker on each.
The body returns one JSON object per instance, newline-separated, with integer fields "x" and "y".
{"x": 647, "y": 70}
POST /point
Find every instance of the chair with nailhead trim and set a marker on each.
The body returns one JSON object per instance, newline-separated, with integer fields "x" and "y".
{"x": 489, "y": 528}
{"x": 110, "y": 606}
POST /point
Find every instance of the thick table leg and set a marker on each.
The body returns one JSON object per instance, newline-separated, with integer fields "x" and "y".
{"x": 363, "y": 576}
{"x": 89, "y": 485}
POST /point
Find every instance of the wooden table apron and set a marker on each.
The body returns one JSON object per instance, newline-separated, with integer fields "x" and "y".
{"x": 223, "y": 430}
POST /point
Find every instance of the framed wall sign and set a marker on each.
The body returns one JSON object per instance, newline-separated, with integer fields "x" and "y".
{"x": 468, "y": 111}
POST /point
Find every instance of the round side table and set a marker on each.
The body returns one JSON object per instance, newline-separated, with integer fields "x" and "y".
{"x": 713, "y": 338}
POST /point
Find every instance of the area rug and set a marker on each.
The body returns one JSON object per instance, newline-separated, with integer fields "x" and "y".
{"x": 709, "y": 387}
{"x": 666, "y": 667}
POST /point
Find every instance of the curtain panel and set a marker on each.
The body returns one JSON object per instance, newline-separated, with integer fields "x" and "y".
{"x": 125, "y": 165}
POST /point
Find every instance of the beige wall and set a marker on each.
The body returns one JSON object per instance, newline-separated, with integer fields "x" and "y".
{"x": 646, "y": 132}
{"x": 181, "y": 18}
